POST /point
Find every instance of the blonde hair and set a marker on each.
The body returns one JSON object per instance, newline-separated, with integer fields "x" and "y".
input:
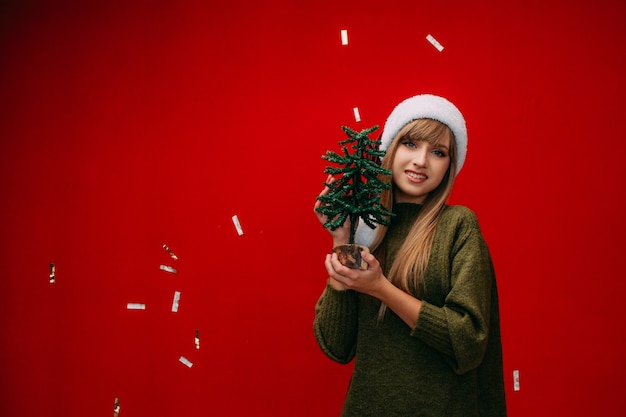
{"x": 408, "y": 269}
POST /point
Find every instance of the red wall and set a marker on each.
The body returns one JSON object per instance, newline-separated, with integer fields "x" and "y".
{"x": 124, "y": 127}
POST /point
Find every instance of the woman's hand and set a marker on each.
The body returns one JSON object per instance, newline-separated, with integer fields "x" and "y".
{"x": 340, "y": 235}
{"x": 372, "y": 282}
{"x": 369, "y": 281}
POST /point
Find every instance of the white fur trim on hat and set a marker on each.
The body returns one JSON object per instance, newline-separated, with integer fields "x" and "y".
{"x": 424, "y": 106}
{"x": 427, "y": 106}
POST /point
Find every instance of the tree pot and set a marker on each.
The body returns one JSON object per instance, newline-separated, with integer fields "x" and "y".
{"x": 350, "y": 255}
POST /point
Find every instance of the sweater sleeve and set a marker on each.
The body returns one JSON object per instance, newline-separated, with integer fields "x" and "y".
{"x": 460, "y": 328}
{"x": 335, "y": 324}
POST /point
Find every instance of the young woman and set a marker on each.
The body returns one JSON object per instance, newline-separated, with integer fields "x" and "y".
{"x": 422, "y": 322}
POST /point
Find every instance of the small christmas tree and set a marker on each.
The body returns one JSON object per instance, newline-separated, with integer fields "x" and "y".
{"x": 356, "y": 194}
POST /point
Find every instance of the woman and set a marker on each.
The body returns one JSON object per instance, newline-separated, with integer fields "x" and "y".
{"x": 422, "y": 322}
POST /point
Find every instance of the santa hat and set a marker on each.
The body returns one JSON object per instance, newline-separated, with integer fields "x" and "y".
{"x": 427, "y": 106}
{"x": 423, "y": 106}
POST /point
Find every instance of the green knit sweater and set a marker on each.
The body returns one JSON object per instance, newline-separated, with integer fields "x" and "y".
{"x": 450, "y": 363}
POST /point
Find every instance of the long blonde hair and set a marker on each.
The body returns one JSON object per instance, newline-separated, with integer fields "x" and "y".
{"x": 408, "y": 269}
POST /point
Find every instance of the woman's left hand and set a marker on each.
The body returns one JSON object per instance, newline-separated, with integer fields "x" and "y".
{"x": 367, "y": 281}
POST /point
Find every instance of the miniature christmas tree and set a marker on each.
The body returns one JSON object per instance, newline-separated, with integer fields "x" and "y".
{"x": 356, "y": 193}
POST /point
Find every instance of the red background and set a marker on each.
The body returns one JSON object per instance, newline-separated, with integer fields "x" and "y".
{"x": 127, "y": 125}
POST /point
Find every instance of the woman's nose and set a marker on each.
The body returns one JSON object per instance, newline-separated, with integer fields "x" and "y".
{"x": 420, "y": 158}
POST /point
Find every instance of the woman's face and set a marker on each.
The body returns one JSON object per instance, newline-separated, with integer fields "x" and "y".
{"x": 418, "y": 168}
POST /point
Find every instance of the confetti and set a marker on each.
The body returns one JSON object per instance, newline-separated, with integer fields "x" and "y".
{"x": 116, "y": 408}
{"x": 516, "y": 380}
{"x": 168, "y": 250}
{"x": 237, "y": 225}
{"x": 197, "y": 339}
{"x": 167, "y": 269}
{"x": 357, "y": 115}
{"x": 434, "y": 42}
{"x": 135, "y": 306}
{"x": 175, "y": 302}
{"x": 344, "y": 37}
{"x": 52, "y": 273}
{"x": 185, "y": 361}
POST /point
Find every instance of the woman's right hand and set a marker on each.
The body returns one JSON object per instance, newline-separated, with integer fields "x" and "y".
{"x": 340, "y": 235}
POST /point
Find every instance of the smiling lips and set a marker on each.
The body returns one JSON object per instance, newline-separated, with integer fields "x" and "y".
{"x": 416, "y": 177}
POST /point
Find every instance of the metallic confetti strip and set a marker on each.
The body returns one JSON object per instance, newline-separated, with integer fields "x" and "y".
{"x": 434, "y": 42}
{"x": 344, "y": 37}
{"x": 116, "y": 408}
{"x": 175, "y": 302}
{"x": 185, "y": 361}
{"x": 169, "y": 251}
{"x": 237, "y": 225}
{"x": 167, "y": 268}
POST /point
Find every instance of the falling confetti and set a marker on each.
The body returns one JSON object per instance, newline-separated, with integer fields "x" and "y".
{"x": 168, "y": 250}
{"x": 344, "y": 37}
{"x": 434, "y": 42}
{"x": 237, "y": 225}
{"x": 185, "y": 361}
{"x": 175, "y": 302}
{"x": 116, "y": 408}
{"x": 167, "y": 268}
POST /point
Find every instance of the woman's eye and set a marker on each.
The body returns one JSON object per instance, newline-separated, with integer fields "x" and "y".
{"x": 439, "y": 153}
{"x": 409, "y": 143}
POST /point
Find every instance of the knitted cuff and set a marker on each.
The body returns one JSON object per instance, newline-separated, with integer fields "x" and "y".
{"x": 337, "y": 304}
{"x": 335, "y": 324}
{"x": 432, "y": 328}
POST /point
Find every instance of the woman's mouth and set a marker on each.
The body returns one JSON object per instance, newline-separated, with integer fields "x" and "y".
{"x": 415, "y": 176}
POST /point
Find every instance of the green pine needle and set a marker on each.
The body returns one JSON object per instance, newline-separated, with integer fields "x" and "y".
{"x": 356, "y": 193}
